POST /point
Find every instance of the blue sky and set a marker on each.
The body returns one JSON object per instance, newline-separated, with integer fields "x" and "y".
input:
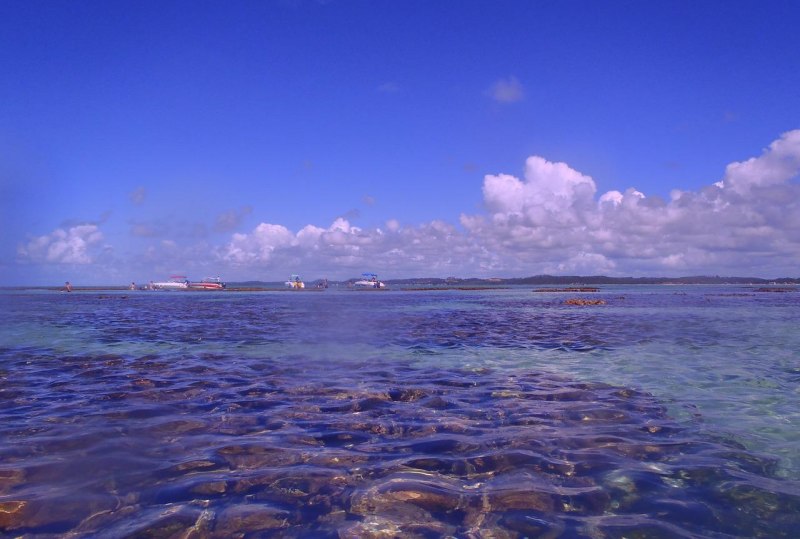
{"x": 252, "y": 140}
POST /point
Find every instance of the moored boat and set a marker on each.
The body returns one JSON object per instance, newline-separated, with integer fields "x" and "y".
{"x": 209, "y": 283}
{"x": 295, "y": 282}
{"x": 175, "y": 282}
{"x": 369, "y": 280}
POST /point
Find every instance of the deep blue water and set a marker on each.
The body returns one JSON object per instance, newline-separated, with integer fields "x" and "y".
{"x": 664, "y": 412}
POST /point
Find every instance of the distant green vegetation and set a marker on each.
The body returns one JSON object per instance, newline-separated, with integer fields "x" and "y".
{"x": 592, "y": 279}
{"x": 550, "y": 280}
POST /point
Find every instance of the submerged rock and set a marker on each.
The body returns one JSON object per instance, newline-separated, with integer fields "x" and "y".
{"x": 583, "y": 301}
{"x": 11, "y": 514}
{"x": 249, "y": 519}
{"x": 422, "y": 492}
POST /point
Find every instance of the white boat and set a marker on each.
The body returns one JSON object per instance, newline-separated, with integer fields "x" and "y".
{"x": 176, "y": 282}
{"x": 369, "y": 280}
{"x": 209, "y": 283}
{"x": 295, "y": 282}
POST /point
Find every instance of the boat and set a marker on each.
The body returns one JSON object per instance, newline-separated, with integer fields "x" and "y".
{"x": 369, "y": 280}
{"x": 209, "y": 283}
{"x": 295, "y": 282}
{"x": 176, "y": 282}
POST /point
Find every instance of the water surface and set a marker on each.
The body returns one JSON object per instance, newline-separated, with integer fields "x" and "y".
{"x": 665, "y": 412}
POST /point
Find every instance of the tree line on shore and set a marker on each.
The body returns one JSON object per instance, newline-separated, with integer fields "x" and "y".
{"x": 594, "y": 280}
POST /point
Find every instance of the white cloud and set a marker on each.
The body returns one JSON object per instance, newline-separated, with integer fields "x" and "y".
{"x": 549, "y": 219}
{"x": 342, "y": 249}
{"x": 259, "y": 245}
{"x": 552, "y": 220}
{"x": 70, "y": 246}
{"x": 777, "y": 164}
{"x": 550, "y": 194}
{"x": 507, "y": 90}
{"x": 748, "y": 222}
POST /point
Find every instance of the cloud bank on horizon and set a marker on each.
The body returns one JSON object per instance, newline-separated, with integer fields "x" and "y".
{"x": 550, "y": 220}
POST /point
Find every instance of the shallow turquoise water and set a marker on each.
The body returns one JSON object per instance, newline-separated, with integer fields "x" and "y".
{"x": 666, "y": 411}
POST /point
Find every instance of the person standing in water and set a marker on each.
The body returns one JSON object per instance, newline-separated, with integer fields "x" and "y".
{"x": 67, "y": 287}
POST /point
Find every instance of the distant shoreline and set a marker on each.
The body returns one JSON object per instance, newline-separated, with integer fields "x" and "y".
{"x": 456, "y": 283}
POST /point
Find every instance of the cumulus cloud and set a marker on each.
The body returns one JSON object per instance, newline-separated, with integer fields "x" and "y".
{"x": 551, "y": 219}
{"x": 507, "y": 90}
{"x": 777, "y": 164}
{"x": 258, "y": 245}
{"x": 550, "y": 193}
{"x": 548, "y": 219}
{"x": 343, "y": 248}
{"x": 63, "y": 246}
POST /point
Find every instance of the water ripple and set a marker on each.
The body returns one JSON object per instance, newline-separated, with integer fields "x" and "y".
{"x": 146, "y": 448}
{"x": 183, "y": 415}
